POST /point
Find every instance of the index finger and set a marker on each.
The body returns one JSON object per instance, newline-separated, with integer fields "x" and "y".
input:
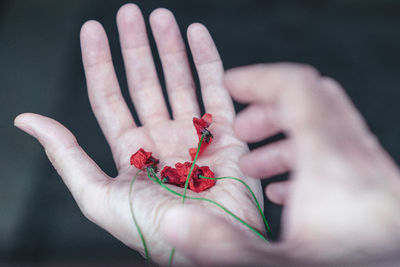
{"x": 313, "y": 110}
{"x": 300, "y": 94}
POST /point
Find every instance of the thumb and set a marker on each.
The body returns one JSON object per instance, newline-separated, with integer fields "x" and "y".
{"x": 209, "y": 240}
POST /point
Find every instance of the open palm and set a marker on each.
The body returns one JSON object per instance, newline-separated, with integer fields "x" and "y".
{"x": 105, "y": 200}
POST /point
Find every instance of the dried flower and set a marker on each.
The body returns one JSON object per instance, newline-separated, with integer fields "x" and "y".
{"x": 143, "y": 160}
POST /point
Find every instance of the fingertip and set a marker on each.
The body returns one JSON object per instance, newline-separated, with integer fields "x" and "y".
{"x": 243, "y": 129}
{"x": 238, "y": 72}
{"x": 127, "y": 9}
{"x": 127, "y": 16}
{"x": 90, "y": 30}
{"x": 238, "y": 82}
{"x": 268, "y": 160}
{"x": 197, "y": 31}
{"x": 202, "y": 45}
{"x": 245, "y": 165}
{"x": 46, "y": 130}
{"x": 166, "y": 32}
{"x": 131, "y": 27}
{"x": 22, "y": 123}
{"x": 161, "y": 18}
{"x": 256, "y": 122}
{"x": 231, "y": 79}
{"x": 19, "y": 119}
{"x": 277, "y": 192}
{"x": 94, "y": 43}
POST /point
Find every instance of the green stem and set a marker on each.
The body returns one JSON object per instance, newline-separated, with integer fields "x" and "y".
{"x": 186, "y": 186}
{"x": 191, "y": 169}
{"x": 158, "y": 181}
{"x": 171, "y": 257}
{"x": 251, "y": 192}
{"x": 146, "y": 252}
{"x": 216, "y": 204}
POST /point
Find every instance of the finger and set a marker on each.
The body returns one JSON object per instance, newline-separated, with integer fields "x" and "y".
{"x": 105, "y": 96}
{"x": 80, "y": 173}
{"x": 256, "y": 123}
{"x": 144, "y": 86}
{"x": 219, "y": 245}
{"x": 177, "y": 73}
{"x": 267, "y": 161}
{"x": 278, "y": 192}
{"x": 216, "y": 98}
{"x": 318, "y": 119}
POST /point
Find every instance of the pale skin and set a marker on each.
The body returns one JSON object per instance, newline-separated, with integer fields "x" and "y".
{"x": 105, "y": 200}
{"x": 341, "y": 203}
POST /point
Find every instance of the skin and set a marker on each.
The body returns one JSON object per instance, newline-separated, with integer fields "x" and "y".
{"x": 343, "y": 197}
{"x": 105, "y": 200}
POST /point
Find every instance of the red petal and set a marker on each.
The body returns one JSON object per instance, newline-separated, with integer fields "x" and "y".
{"x": 170, "y": 175}
{"x": 193, "y": 151}
{"x": 207, "y": 172}
{"x": 204, "y": 145}
{"x": 197, "y": 184}
{"x": 184, "y": 169}
{"x": 207, "y": 117}
{"x": 142, "y": 159}
{"x": 202, "y": 124}
{"x": 179, "y": 175}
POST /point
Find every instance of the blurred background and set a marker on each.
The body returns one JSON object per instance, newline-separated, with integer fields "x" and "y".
{"x": 353, "y": 41}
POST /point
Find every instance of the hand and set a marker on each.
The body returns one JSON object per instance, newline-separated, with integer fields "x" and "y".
{"x": 105, "y": 200}
{"x": 342, "y": 201}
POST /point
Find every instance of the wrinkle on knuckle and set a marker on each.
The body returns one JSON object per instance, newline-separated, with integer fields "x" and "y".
{"x": 109, "y": 99}
{"x": 181, "y": 88}
{"x": 93, "y": 61}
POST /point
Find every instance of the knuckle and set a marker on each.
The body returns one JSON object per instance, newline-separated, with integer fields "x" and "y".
{"x": 306, "y": 72}
{"x": 297, "y": 75}
{"x": 330, "y": 82}
{"x": 301, "y": 70}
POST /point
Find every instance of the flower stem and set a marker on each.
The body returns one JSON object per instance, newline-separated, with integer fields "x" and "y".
{"x": 146, "y": 252}
{"x": 191, "y": 169}
{"x": 253, "y": 195}
{"x": 186, "y": 186}
{"x": 171, "y": 256}
{"x": 216, "y": 204}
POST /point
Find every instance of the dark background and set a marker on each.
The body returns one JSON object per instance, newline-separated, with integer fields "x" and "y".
{"x": 353, "y": 41}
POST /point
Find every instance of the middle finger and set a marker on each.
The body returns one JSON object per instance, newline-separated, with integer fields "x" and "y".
{"x": 178, "y": 76}
{"x": 144, "y": 86}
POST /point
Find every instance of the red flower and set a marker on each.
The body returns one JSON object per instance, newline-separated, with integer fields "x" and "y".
{"x": 179, "y": 175}
{"x": 171, "y": 176}
{"x": 201, "y": 126}
{"x": 198, "y": 184}
{"x": 142, "y": 160}
{"x": 184, "y": 169}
